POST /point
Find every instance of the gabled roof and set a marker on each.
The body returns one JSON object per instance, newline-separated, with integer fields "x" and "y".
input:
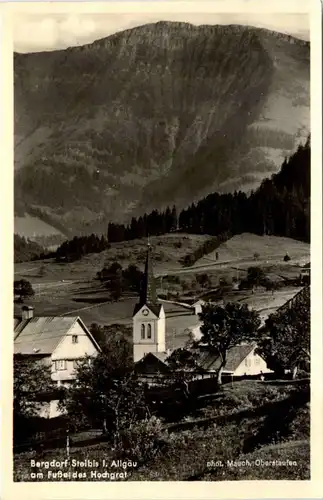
{"x": 162, "y": 356}
{"x": 155, "y": 308}
{"x": 151, "y": 361}
{"x": 41, "y": 335}
{"x": 235, "y": 356}
{"x": 206, "y": 360}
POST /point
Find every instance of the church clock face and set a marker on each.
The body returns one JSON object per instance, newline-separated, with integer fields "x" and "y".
{"x": 145, "y": 312}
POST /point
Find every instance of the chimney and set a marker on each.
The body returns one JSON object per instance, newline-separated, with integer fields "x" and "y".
{"x": 27, "y": 312}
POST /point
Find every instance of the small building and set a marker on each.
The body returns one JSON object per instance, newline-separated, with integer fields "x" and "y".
{"x": 242, "y": 361}
{"x": 57, "y": 341}
{"x": 197, "y": 306}
{"x": 306, "y": 273}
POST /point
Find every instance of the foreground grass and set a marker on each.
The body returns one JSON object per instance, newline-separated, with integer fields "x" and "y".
{"x": 231, "y": 438}
{"x": 250, "y": 421}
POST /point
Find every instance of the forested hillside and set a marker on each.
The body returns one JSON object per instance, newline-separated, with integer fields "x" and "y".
{"x": 26, "y": 250}
{"x": 280, "y": 206}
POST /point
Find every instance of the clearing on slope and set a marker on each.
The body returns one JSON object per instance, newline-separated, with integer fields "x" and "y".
{"x": 251, "y": 247}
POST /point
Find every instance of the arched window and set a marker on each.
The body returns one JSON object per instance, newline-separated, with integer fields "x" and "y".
{"x": 149, "y": 331}
{"x": 142, "y": 331}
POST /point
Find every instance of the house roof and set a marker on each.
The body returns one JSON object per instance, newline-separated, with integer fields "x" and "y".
{"x": 199, "y": 302}
{"x": 41, "y": 335}
{"x": 235, "y": 356}
{"x": 208, "y": 361}
{"x": 162, "y": 356}
{"x": 16, "y": 322}
{"x": 152, "y": 362}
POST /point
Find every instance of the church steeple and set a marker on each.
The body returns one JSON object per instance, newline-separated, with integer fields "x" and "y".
{"x": 148, "y": 316}
{"x": 148, "y": 287}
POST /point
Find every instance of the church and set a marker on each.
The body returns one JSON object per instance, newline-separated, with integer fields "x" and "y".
{"x": 149, "y": 322}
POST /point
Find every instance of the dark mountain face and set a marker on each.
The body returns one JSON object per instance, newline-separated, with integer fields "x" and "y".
{"x": 154, "y": 115}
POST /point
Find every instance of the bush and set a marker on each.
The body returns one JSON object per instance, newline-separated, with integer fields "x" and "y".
{"x": 142, "y": 441}
{"x": 286, "y": 258}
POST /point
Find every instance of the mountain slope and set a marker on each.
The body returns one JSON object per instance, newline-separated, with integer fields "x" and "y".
{"x": 162, "y": 112}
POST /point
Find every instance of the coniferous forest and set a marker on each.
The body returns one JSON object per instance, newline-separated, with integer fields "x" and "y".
{"x": 280, "y": 206}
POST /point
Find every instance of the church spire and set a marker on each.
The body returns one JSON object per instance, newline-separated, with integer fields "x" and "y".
{"x": 148, "y": 287}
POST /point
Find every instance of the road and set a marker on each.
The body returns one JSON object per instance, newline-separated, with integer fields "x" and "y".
{"x": 43, "y": 288}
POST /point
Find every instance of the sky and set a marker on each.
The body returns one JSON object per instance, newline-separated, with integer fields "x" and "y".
{"x": 42, "y": 32}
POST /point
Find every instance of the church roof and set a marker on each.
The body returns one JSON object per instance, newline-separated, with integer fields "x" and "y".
{"x": 155, "y": 308}
{"x": 148, "y": 287}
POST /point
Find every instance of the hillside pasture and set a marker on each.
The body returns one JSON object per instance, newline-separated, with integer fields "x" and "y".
{"x": 167, "y": 253}
{"x": 33, "y": 227}
{"x": 244, "y": 247}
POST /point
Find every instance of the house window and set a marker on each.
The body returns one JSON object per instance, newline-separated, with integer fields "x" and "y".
{"x": 74, "y": 339}
{"x": 149, "y": 331}
{"x": 257, "y": 361}
{"x": 248, "y": 362}
{"x": 60, "y": 364}
{"x": 75, "y": 364}
{"x": 142, "y": 331}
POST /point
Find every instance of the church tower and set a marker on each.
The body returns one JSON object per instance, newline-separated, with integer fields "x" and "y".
{"x": 148, "y": 317}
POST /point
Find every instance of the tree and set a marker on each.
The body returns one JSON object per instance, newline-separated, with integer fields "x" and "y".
{"x": 113, "y": 279}
{"x": 203, "y": 280}
{"x": 286, "y": 345}
{"x": 255, "y": 276}
{"x": 107, "y": 391}
{"x": 225, "y": 327}
{"x": 121, "y": 333}
{"x": 132, "y": 277}
{"x": 183, "y": 364}
{"x": 27, "y": 390}
{"x": 23, "y": 288}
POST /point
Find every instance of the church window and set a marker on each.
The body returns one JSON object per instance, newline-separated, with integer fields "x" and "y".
{"x": 149, "y": 331}
{"x": 142, "y": 331}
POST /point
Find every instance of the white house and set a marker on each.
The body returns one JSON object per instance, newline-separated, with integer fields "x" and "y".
{"x": 242, "y": 361}
{"x": 197, "y": 306}
{"x": 58, "y": 341}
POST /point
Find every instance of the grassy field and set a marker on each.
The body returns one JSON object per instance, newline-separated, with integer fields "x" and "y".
{"x": 167, "y": 254}
{"x": 31, "y": 227}
{"x": 70, "y": 288}
{"x": 244, "y": 246}
{"x": 249, "y": 421}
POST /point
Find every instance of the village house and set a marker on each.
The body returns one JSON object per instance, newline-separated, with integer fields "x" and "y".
{"x": 57, "y": 341}
{"x": 242, "y": 361}
{"x": 60, "y": 342}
